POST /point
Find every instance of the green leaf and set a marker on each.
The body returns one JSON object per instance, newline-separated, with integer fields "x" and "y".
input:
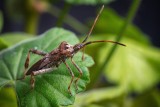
{"x": 97, "y": 96}
{"x": 89, "y": 2}
{"x": 148, "y": 99}
{"x": 1, "y": 21}
{"x": 50, "y": 88}
{"x": 8, "y": 97}
{"x": 135, "y": 67}
{"x": 9, "y": 39}
{"x": 110, "y": 22}
{"x": 3, "y": 44}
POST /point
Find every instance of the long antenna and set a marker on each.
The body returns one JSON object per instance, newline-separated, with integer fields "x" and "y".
{"x": 90, "y": 31}
{"x": 90, "y": 42}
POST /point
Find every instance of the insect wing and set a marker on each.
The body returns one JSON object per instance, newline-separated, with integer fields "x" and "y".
{"x": 39, "y": 65}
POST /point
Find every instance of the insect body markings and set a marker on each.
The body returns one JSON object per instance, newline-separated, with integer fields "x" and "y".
{"x": 57, "y": 56}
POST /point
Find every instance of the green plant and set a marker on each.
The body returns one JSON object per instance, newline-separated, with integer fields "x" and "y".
{"x": 12, "y": 67}
{"x": 131, "y": 73}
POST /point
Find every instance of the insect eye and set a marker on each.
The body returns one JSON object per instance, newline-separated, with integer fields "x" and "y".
{"x": 66, "y": 47}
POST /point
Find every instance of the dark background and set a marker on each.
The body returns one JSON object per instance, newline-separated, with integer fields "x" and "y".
{"x": 147, "y": 17}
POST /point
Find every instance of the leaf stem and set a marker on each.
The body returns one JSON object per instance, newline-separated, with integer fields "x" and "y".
{"x": 31, "y": 23}
{"x": 63, "y": 14}
{"x": 131, "y": 14}
{"x": 1, "y": 21}
{"x": 31, "y": 16}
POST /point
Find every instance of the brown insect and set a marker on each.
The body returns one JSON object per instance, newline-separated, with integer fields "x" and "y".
{"x": 58, "y": 56}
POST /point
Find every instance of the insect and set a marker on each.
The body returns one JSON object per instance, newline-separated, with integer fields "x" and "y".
{"x": 59, "y": 55}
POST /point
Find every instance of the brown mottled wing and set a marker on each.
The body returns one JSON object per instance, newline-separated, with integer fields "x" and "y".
{"x": 38, "y": 65}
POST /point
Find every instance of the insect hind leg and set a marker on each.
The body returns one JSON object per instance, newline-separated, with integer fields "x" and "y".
{"x": 79, "y": 70}
{"x": 71, "y": 73}
{"x": 38, "y": 52}
{"x": 83, "y": 50}
{"x": 32, "y": 81}
{"x": 26, "y": 65}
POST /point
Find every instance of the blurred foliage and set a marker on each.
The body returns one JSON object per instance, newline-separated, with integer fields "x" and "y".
{"x": 8, "y": 97}
{"x": 142, "y": 70}
{"x": 129, "y": 80}
{"x": 148, "y": 99}
{"x": 15, "y": 8}
{"x": 107, "y": 96}
{"x": 111, "y": 23}
{"x": 88, "y": 2}
{"x": 18, "y": 9}
{"x": 114, "y": 97}
{"x": 27, "y": 11}
{"x": 9, "y": 39}
{"x": 130, "y": 65}
{"x": 134, "y": 68}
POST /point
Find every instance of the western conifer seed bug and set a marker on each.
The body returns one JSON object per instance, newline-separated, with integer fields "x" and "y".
{"x": 59, "y": 55}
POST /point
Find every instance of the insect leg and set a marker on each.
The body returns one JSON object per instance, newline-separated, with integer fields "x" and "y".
{"x": 70, "y": 71}
{"x": 83, "y": 54}
{"x": 80, "y": 71}
{"x": 26, "y": 65}
{"x": 34, "y": 73}
{"x": 38, "y": 52}
{"x": 32, "y": 81}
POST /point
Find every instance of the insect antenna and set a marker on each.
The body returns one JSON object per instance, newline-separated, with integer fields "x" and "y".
{"x": 90, "y": 31}
{"x": 90, "y": 42}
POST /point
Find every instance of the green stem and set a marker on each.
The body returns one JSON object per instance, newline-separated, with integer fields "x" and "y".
{"x": 131, "y": 14}
{"x": 31, "y": 16}
{"x": 63, "y": 14}
{"x": 71, "y": 21}
{"x": 1, "y": 21}
{"x": 31, "y": 23}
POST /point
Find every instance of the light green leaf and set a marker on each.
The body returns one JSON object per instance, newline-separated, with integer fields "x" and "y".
{"x": 89, "y": 2}
{"x": 135, "y": 67}
{"x": 8, "y": 97}
{"x": 9, "y": 39}
{"x": 50, "y": 88}
{"x": 3, "y": 44}
{"x": 96, "y": 96}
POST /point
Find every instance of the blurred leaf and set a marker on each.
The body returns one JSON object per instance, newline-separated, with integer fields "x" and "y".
{"x": 156, "y": 96}
{"x": 110, "y": 22}
{"x": 50, "y": 88}
{"x": 148, "y": 99}
{"x": 8, "y": 97}
{"x": 3, "y": 44}
{"x": 96, "y": 97}
{"x": 135, "y": 67}
{"x": 15, "y": 8}
{"x": 94, "y": 105}
{"x": 89, "y": 2}
{"x": 9, "y": 39}
{"x": 1, "y": 21}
